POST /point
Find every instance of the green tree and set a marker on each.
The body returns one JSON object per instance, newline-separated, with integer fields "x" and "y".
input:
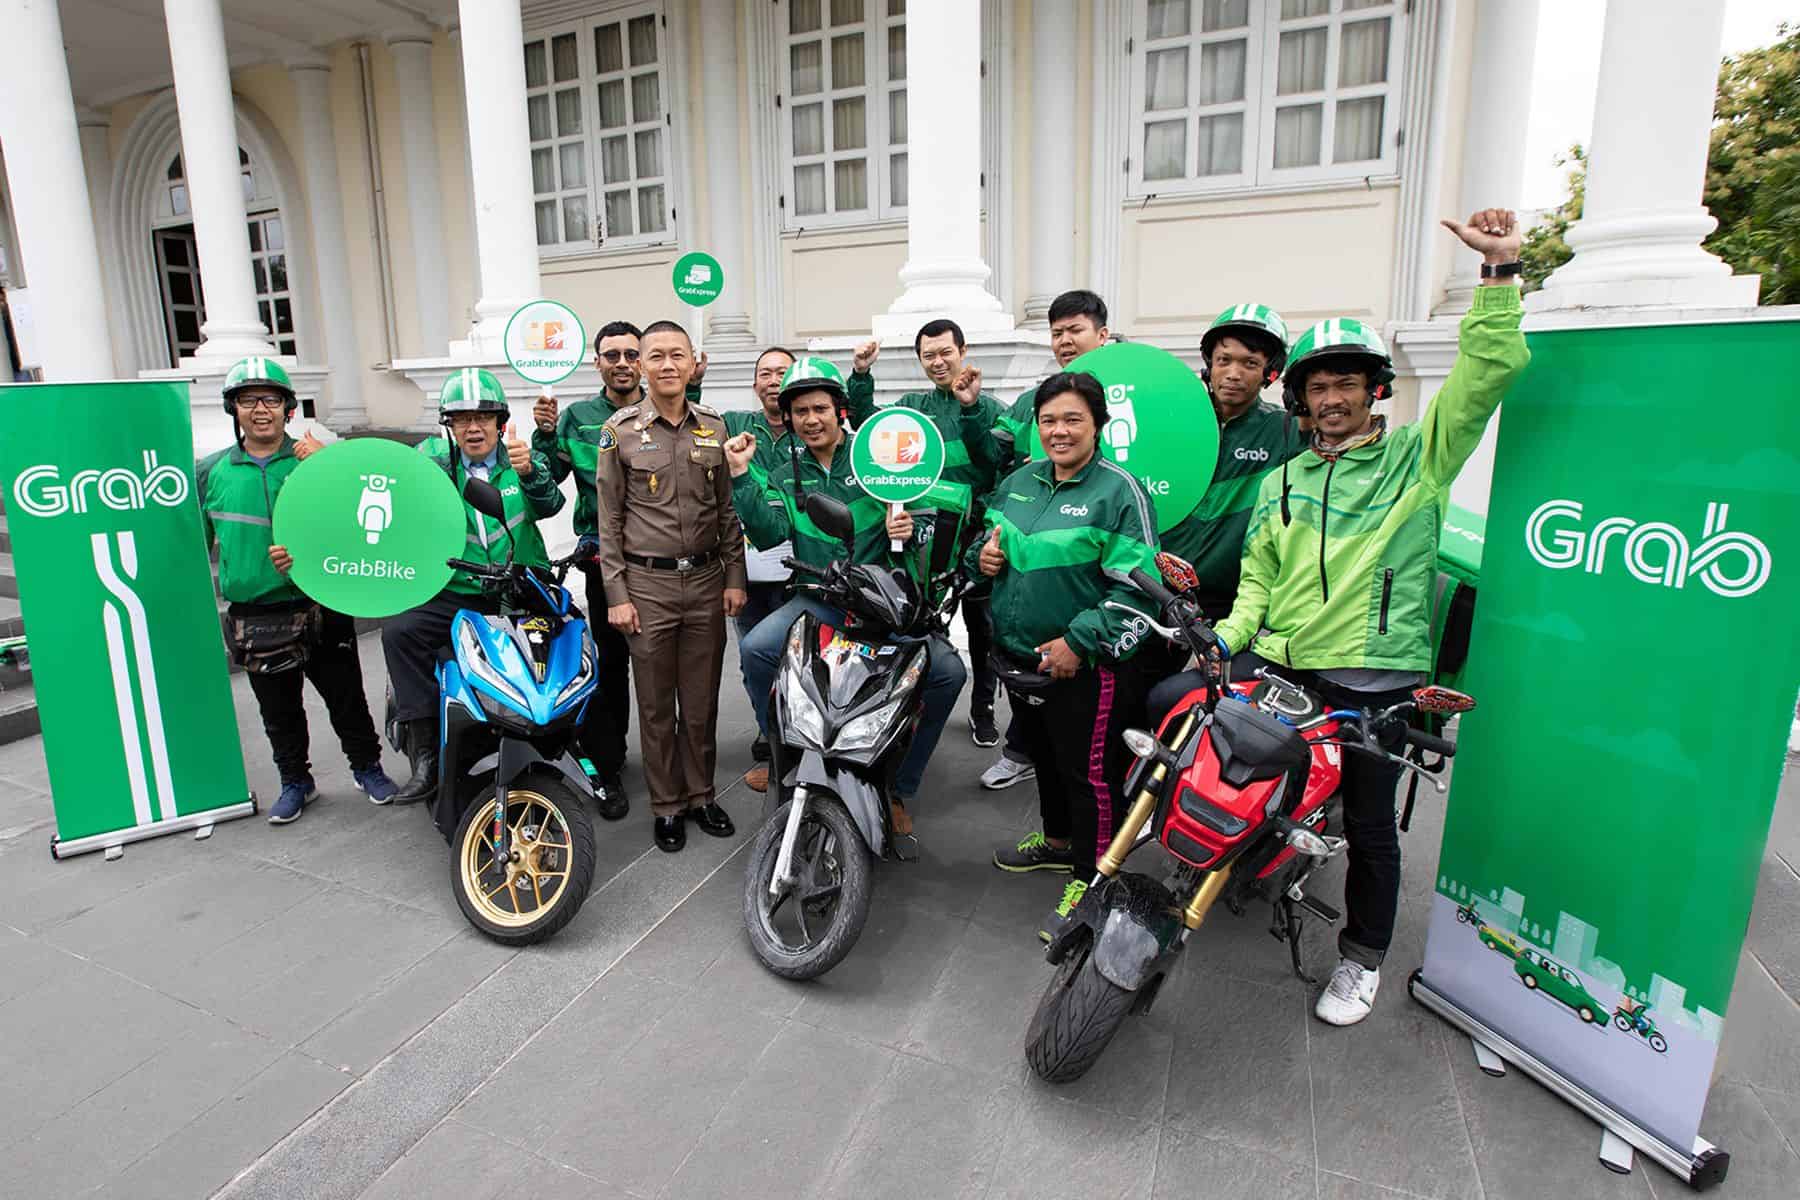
{"x": 1544, "y": 249}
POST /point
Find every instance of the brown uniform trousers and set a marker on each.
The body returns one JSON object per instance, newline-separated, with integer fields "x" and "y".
{"x": 665, "y": 495}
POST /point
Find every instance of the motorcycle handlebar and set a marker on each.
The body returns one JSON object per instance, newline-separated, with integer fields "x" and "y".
{"x": 799, "y": 568}
{"x": 473, "y": 568}
{"x": 1442, "y": 747}
{"x": 1151, "y": 586}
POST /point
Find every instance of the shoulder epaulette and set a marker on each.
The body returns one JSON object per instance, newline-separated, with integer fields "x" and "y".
{"x": 629, "y": 411}
{"x": 706, "y": 410}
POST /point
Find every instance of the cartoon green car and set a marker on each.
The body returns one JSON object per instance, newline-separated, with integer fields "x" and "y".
{"x": 1499, "y": 942}
{"x": 1556, "y": 981}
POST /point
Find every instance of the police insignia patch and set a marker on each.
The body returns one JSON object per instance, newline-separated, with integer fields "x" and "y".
{"x": 608, "y": 441}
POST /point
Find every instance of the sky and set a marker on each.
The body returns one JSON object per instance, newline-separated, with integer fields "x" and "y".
{"x": 1568, "y": 66}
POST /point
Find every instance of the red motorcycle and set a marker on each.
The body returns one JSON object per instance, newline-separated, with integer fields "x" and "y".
{"x": 1238, "y": 787}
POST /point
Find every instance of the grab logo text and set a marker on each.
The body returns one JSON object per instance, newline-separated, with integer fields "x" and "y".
{"x": 1727, "y": 562}
{"x": 40, "y": 491}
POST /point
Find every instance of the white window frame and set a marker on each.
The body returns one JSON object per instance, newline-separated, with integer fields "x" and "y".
{"x": 875, "y": 92}
{"x": 1260, "y": 102}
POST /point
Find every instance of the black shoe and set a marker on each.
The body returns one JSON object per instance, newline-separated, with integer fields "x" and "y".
{"x": 614, "y": 803}
{"x": 759, "y": 750}
{"x": 422, "y": 749}
{"x": 671, "y": 834}
{"x": 983, "y": 730}
{"x": 712, "y": 820}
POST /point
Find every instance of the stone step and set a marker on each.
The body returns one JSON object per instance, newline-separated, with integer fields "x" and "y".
{"x": 12, "y": 624}
{"x": 9, "y": 583}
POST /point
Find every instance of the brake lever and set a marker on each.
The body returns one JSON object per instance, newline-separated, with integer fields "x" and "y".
{"x": 1169, "y": 632}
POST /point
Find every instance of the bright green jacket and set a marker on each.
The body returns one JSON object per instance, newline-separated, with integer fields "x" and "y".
{"x": 575, "y": 447}
{"x": 1068, "y": 548}
{"x": 1348, "y": 581}
{"x": 527, "y": 502}
{"x": 1251, "y": 444}
{"x": 237, "y": 504}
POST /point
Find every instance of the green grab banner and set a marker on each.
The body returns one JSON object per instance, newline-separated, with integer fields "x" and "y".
{"x": 1159, "y": 424}
{"x": 370, "y": 524}
{"x": 1635, "y": 657}
{"x": 133, "y": 690}
{"x": 898, "y": 455}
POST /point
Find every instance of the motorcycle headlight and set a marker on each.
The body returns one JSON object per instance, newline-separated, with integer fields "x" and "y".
{"x": 581, "y": 677}
{"x": 804, "y": 718}
{"x": 475, "y": 658}
{"x": 865, "y": 731}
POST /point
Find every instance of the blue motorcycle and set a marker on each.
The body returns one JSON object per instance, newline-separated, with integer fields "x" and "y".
{"x": 511, "y": 796}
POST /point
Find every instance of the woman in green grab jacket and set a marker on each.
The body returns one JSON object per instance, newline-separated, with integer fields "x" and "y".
{"x": 1065, "y": 531}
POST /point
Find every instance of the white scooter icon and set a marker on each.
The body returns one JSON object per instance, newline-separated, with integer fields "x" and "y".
{"x": 375, "y": 510}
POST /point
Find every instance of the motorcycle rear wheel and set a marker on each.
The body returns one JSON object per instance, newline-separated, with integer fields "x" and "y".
{"x": 1075, "y": 1020}
{"x": 811, "y": 927}
{"x": 529, "y": 898}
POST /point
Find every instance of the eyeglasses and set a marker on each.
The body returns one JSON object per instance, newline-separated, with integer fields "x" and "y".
{"x": 270, "y": 402}
{"x": 613, "y": 356}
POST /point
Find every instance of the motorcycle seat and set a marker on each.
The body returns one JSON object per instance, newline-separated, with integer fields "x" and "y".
{"x": 1254, "y": 746}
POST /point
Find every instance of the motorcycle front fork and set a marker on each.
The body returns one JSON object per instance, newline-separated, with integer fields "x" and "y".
{"x": 783, "y": 876}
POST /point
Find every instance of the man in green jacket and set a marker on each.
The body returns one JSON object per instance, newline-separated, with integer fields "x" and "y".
{"x": 1339, "y": 563}
{"x": 237, "y": 489}
{"x": 473, "y": 409}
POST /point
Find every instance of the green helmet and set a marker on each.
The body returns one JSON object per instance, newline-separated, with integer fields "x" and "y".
{"x": 472, "y": 389}
{"x": 1338, "y": 338}
{"x": 810, "y": 373}
{"x": 1257, "y": 325}
{"x": 257, "y": 371}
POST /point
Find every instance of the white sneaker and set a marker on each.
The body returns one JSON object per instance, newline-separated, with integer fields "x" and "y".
{"x": 1005, "y": 772}
{"x": 1349, "y": 996}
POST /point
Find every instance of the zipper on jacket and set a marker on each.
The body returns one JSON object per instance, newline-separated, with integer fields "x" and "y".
{"x": 1324, "y": 512}
{"x": 1387, "y": 593}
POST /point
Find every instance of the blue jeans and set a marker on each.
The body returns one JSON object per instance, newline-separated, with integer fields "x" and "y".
{"x": 944, "y": 679}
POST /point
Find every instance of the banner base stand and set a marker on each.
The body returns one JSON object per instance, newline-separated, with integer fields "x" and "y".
{"x": 1616, "y": 1154}
{"x": 1491, "y": 1064}
{"x": 114, "y": 843}
{"x": 1702, "y": 1165}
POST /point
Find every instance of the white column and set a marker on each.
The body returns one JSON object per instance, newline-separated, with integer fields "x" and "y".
{"x": 325, "y": 203}
{"x": 1053, "y": 173}
{"x": 500, "y": 162}
{"x": 424, "y": 195}
{"x": 727, "y": 320}
{"x": 1638, "y": 240}
{"x": 96, "y": 163}
{"x": 944, "y": 275}
{"x": 209, "y": 156}
{"x": 1493, "y": 149}
{"x": 50, "y": 199}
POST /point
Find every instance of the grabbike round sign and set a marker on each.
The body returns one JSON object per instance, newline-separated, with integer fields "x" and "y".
{"x": 545, "y": 342}
{"x": 897, "y": 455}
{"x": 370, "y": 524}
{"x": 1159, "y": 425}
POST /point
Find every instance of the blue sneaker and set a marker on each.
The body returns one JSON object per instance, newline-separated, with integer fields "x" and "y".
{"x": 376, "y": 783}
{"x": 293, "y": 798}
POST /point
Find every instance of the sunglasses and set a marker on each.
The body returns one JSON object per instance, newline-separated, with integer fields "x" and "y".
{"x": 613, "y": 356}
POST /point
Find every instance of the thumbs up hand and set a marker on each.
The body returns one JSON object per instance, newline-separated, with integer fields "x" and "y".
{"x": 993, "y": 558}
{"x": 518, "y": 454}
{"x": 307, "y": 445}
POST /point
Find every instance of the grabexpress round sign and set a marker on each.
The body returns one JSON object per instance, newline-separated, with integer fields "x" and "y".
{"x": 698, "y": 278}
{"x": 370, "y": 524}
{"x": 545, "y": 342}
{"x": 897, "y": 455}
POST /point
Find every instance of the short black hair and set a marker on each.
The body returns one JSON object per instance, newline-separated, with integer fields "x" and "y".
{"x": 616, "y": 329}
{"x": 1079, "y": 303}
{"x": 792, "y": 357}
{"x": 1079, "y": 382}
{"x": 938, "y": 328}
{"x": 666, "y": 327}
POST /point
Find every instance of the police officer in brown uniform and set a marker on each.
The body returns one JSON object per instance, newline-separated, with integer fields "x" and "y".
{"x": 672, "y": 562}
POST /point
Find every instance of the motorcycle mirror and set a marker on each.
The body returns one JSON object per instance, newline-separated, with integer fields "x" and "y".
{"x": 831, "y": 515}
{"x": 1176, "y": 571}
{"x": 1435, "y": 699}
{"x": 484, "y": 498}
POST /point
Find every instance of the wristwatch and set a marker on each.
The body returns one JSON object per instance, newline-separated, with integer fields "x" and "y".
{"x": 1502, "y": 270}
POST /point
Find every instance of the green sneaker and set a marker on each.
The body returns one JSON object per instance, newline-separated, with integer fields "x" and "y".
{"x": 1073, "y": 891}
{"x": 1034, "y": 853}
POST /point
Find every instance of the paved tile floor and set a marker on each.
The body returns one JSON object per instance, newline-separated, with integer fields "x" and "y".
{"x": 302, "y": 1012}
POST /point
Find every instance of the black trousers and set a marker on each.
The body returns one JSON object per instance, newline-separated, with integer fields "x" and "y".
{"x": 336, "y": 673}
{"x": 412, "y": 641}
{"x": 608, "y": 716}
{"x": 1072, "y": 738}
{"x": 978, "y": 620}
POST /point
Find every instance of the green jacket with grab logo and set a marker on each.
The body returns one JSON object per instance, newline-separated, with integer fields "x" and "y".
{"x": 527, "y": 501}
{"x": 237, "y": 507}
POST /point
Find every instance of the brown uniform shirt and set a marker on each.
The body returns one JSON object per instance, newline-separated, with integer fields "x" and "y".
{"x": 665, "y": 492}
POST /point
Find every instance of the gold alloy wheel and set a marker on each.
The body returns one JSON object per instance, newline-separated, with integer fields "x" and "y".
{"x": 520, "y": 891}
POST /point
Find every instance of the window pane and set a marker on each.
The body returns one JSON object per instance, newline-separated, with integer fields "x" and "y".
{"x": 181, "y": 287}
{"x": 1363, "y": 53}
{"x": 618, "y": 214}
{"x": 568, "y": 112}
{"x": 646, "y": 97}
{"x": 897, "y": 180}
{"x": 897, "y": 118}
{"x": 543, "y": 171}
{"x": 803, "y": 16}
{"x": 534, "y": 65}
{"x": 249, "y": 186}
{"x": 1165, "y": 150}
{"x": 1221, "y": 150}
{"x": 896, "y": 67}
{"x": 272, "y": 233}
{"x": 809, "y": 189}
{"x": 574, "y": 165}
{"x": 846, "y": 12}
{"x": 612, "y": 104}
{"x": 850, "y": 124}
{"x": 187, "y": 328}
{"x": 1167, "y": 18}
{"x": 1302, "y": 65}
{"x": 546, "y": 223}
{"x": 562, "y": 57}
{"x": 256, "y": 235}
{"x": 809, "y": 129}
{"x": 175, "y": 251}
{"x": 651, "y": 215}
{"x": 1224, "y": 14}
{"x": 175, "y": 168}
{"x": 537, "y": 113}
{"x": 1297, "y": 135}
{"x": 284, "y": 316}
{"x": 847, "y": 61}
{"x": 804, "y": 68}
{"x": 615, "y": 159}
{"x": 575, "y": 218}
{"x": 1356, "y": 132}
{"x": 649, "y": 154}
{"x": 1304, "y": 8}
{"x": 1222, "y": 72}
{"x": 178, "y": 199}
{"x": 896, "y": 8}
{"x": 261, "y": 276}
{"x": 609, "y": 51}
{"x": 287, "y": 347}
{"x": 1165, "y": 79}
{"x": 642, "y": 35}
{"x": 1353, "y": 5}
{"x": 850, "y": 185}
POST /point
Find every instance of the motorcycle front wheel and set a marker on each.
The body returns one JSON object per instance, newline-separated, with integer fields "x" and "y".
{"x": 1076, "y": 1018}
{"x": 813, "y": 923}
{"x": 543, "y": 882}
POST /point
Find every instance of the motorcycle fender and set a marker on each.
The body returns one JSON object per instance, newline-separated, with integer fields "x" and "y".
{"x": 862, "y": 800}
{"x": 518, "y": 756}
{"x": 1136, "y": 930}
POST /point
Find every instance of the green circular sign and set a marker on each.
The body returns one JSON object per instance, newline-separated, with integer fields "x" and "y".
{"x": 545, "y": 342}
{"x": 698, "y": 279}
{"x": 1159, "y": 425}
{"x": 370, "y": 524}
{"x": 897, "y": 455}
